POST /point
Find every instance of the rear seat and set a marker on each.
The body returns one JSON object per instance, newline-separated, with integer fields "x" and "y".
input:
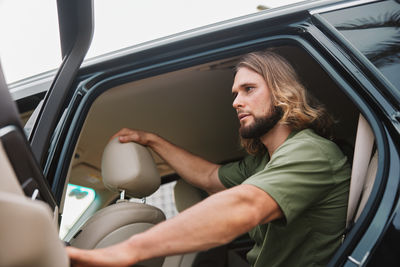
{"x": 363, "y": 171}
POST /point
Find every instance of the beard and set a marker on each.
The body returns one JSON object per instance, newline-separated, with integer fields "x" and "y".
{"x": 261, "y": 125}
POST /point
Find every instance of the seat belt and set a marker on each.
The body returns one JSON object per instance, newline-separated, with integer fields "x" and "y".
{"x": 361, "y": 160}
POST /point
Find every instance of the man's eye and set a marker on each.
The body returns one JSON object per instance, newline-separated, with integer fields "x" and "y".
{"x": 249, "y": 88}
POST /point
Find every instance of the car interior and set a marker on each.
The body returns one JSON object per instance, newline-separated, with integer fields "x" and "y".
{"x": 192, "y": 108}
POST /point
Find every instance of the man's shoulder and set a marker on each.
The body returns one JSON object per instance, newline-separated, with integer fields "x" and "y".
{"x": 308, "y": 137}
{"x": 306, "y": 144}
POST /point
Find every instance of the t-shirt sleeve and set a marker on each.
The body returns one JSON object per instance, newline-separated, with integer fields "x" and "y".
{"x": 296, "y": 177}
{"x": 235, "y": 173}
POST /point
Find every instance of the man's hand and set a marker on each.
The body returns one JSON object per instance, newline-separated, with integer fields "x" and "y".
{"x": 126, "y": 135}
{"x": 111, "y": 256}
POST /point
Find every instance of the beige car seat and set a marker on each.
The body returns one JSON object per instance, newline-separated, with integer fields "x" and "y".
{"x": 129, "y": 169}
{"x": 364, "y": 169}
{"x": 185, "y": 196}
{"x": 28, "y": 233}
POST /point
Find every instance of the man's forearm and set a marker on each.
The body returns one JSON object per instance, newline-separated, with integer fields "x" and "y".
{"x": 213, "y": 222}
{"x": 192, "y": 168}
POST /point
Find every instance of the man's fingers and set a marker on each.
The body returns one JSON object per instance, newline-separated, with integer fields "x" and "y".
{"x": 108, "y": 257}
{"x": 126, "y": 135}
{"x": 123, "y": 133}
{"x": 127, "y": 138}
{"x": 73, "y": 253}
{"x": 80, "y": 257}
{"x": 119, "y": 133}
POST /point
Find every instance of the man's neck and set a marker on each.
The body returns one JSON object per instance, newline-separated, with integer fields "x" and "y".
{"x": 275, "y": 137}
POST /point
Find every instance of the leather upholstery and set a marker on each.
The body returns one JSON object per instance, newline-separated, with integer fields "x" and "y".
{"x": 129, "y": 167}
{"x": 369, "y": 182}
{"x": 108, "y": 220}
{"x": 361, "y": 165}
{"x": 28, "y": 234}
{"x": 186, "y": 195}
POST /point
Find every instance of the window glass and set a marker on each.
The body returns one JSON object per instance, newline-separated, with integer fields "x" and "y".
{"x": 374, "y": 30}
{"x": 77, "y": 200}
{"x": 123, "y": 23}
{"x": 163, "y": 199}
{"x": 30, "y": 42}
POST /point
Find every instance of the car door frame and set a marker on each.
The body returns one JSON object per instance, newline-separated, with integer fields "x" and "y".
{"x": 76, "y": 31}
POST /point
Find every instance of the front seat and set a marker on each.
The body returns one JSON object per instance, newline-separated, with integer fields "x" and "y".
{"x": 129, "y": 169}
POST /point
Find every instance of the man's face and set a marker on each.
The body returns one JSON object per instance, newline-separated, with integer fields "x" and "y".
{"x": 252, "y": 101}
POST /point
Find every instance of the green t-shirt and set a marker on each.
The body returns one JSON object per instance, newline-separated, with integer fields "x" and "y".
{"x": 308, "y": 176}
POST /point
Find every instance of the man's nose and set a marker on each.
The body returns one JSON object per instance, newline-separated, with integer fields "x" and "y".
{"x": 237, "y": 102}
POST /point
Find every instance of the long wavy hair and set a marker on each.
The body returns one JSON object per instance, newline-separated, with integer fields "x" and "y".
{"x": 299, "y": 109}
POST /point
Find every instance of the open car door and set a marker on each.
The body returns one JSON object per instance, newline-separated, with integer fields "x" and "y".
{"x": 28, "y": 225}
{"x": 29, "y": 212}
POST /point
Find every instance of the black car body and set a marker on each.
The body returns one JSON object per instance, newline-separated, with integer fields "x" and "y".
{"x": 346, "y": 52}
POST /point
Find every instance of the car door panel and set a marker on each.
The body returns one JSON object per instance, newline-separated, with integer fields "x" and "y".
{"x": 25, "y": 167}
{"x": 29, "y": 235}
{"x": 9, "y": 182}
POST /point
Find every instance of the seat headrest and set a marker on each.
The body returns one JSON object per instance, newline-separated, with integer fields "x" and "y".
{"x": 129, "y": 167}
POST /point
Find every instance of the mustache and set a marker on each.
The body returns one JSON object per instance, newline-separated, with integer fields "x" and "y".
{"x": 241, "y": 111}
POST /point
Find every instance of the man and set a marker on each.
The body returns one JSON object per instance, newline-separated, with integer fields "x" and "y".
{"x": 290, "y": 192}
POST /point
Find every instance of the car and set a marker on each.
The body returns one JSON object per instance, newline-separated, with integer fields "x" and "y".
{"x": 346, "y": 53}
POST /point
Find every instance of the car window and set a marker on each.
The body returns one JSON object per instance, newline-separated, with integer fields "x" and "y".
{"x": 125, "y": 23}
{"x": 30, "y": 35}
{"x": 77, "y": 201}
{"x": 374, "y": 30}
{"x": 163, "y": 199}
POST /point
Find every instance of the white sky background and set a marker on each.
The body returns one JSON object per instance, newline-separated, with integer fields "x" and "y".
{"x": 29, "y": 29}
